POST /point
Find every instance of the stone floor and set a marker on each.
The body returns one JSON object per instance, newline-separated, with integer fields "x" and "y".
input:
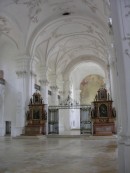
{"x": 58, "y": 155}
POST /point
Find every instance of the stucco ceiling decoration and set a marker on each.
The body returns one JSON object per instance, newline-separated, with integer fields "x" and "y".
{"x": 70, "y": 38}
{"x": 63, "y": 6}
{"x": 62, "y": 30}
{"x": 3, "y": 25}
{"x": 85, "y": 8}
{"x": 84, "y": 59}
{"x": 34, "y": 7}
{"x": 91, "y": 5}
{"x": 41, "y": 29}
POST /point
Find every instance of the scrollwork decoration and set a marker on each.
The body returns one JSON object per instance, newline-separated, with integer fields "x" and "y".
{"x": 34, "y": 8}
{"x": 3, "y": 25}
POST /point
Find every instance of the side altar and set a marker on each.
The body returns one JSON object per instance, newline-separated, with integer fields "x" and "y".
{"x": 103, "y": 114}
{"x": 36, "y": 116}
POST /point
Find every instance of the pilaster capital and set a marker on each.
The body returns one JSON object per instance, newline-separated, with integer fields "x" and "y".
{"x": 21, "y": 74}
{"x": 54, "y": 88}
{"x": 23, "y": 63}
{"x": 61, "y": 92}
{"x": 44, "y": 82}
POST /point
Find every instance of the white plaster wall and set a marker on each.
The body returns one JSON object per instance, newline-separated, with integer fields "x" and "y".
{"x": 7, "y": 64}
{"x": 82, "y": 70}
{"x": 49, "y": 99}
{"x": 75, "y": 118}
{"x": 121, "y": 24}
{"x": 64, "y": 121}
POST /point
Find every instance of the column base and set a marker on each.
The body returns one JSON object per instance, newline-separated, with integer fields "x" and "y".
{"x": 124, "y": 154}
{"x": 16, "y": 131}
{"x": 2, "y": 131}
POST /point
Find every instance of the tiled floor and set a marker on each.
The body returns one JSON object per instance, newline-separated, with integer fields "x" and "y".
{"x": 58, "y": 155}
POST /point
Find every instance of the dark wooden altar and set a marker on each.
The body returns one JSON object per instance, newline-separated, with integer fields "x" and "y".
{"x": 103, "y": 114}
{"x": 36, "y": 116}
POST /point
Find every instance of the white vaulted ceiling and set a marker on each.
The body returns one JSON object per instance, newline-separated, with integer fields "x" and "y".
{"x": 39, "y": 28}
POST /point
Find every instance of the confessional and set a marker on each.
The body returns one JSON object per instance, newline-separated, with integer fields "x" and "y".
{"x": 103, "y": 114}
{"x": 36, "y": 116}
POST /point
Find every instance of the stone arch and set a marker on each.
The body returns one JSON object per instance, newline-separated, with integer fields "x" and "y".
{"x": 71, "y": 66}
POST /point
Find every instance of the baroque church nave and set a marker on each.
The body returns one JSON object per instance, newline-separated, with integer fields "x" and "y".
{"x": 54, "y": 58}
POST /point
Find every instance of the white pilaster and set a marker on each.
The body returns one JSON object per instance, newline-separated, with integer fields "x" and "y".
{"x": 54, "y": 90}
{"x": 77, "y": 93}
{"x": 44, "y": 88}
{"x": 67, "y": 88}
{"x": 121, "y": 25}
{"x": 23, "y": 94}
{"x": 54, "y": 96}
{"x": 60, "y": 90}
{"x": 107, "y": 81}
{"x": 2, "y": 124}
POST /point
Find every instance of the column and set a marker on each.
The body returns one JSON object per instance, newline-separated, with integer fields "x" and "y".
{"x": 77, "y": 96}
{"x": 54, "y": 96}
{"x": 32, "y": 77}
{"x": 114, "y": 93}
{"x": 44, "y": 89}
{"x": 44, "y": 82}
{"x": 2, "y": 123}
{"x": 54, "y": 90}
{"x": 107, "y": 80}
{"x": 67, "y": 89}
{"x": 60, "y": 91}
{"x": 61, "y": 97}
{"x": 121, "y": 24}
{"x": 23, "y": 94}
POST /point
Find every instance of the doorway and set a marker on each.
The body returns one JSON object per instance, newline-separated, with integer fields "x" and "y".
{"x": 8, "y": 128}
